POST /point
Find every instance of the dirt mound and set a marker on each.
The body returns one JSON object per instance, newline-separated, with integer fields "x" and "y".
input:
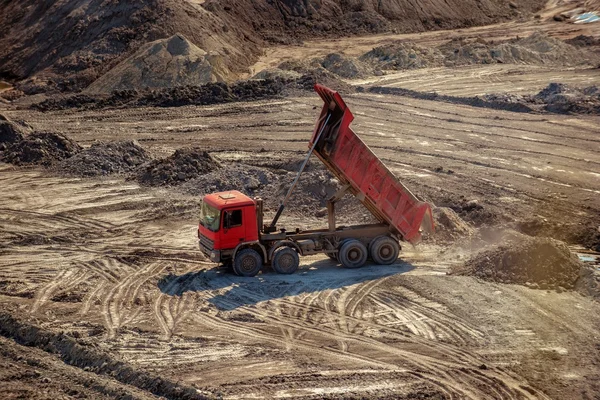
{"x": 105, "y": 159}
{"x": 68, "y": 45}
{"x": 345, "y": 67}
{"x": 181, "y": 166}
{"x": 245, "y": 178}
{"x": 164, "y": 63}
{"x": 403, "y": 55}
{"x": 10, "y": 133}
{"x": 210, "y": 93}
{"x": 565, "y": 99}
{"x": 43, "y": 148}
{"x": 449, "y": 225}
{"x": 537, "y": 49}
{"x": 277, "y": 73}
{"x": 536, "y": 262}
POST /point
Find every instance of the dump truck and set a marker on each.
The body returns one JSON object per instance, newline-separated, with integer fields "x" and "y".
{"x": 232, "y": 229}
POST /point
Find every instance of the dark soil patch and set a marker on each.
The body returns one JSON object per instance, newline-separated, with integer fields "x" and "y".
{"x": 105, "y": 159}
{"x": 16, "y": 288}
{"x": 43, "y": 148}
{"x": 536, "y": 262}
{"x": 210, "y": 93}
{"x": 181, "y": 166}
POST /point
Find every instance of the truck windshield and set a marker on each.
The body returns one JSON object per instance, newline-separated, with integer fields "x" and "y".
{"x": 209, "y": 217}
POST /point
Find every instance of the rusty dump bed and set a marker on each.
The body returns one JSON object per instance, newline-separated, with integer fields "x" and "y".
{"x": 353, "y": 163}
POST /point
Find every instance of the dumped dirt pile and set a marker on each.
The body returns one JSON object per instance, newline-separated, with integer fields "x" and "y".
{"x": 181, "y": 166}
{"x": 537, "y": 48}
{"x": 403, "y": 55}
{"x": 556, "y": 98}
{"x": 536, "y": 262}
{"x": 245, "y": 178}
{"x": 164, "y": 63}
{"x": 69, "y": 44}
{"x": 564, "y": 99}
{"x": 10, "y": 133}
{"x": 43, "y": 148}
{"x": 105, "y": 159}
{"x": 449, "y": 225}
{"x": 345, "y": 67}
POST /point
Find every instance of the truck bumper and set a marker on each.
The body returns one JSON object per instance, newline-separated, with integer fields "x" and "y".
{"x": 213, "y": 255}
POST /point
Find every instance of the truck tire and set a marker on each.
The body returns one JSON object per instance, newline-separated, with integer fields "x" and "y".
{"x": 353, "y": 254}
{"x": 247, "y": 263}
{"x": 384, "y": 250}
{"x": 285, "y": 260}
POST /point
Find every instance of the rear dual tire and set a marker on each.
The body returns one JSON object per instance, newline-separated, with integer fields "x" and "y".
{"x": 285, "y": 260}
{"x": 384, "y": 250}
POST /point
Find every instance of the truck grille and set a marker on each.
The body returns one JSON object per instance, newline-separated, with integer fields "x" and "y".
{"x": 206, "y": 244}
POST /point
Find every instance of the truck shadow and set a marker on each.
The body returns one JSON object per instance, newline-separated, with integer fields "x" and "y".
{"x": 227, "y": 291}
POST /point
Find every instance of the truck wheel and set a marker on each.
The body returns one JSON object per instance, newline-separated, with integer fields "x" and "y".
{"x": 384, "y": 250}
{"x": 285, "y": 260}
{"x": 353, "y": 254}
{"x": 247, "y": 263}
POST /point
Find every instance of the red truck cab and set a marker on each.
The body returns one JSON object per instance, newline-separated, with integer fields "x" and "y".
{"x": 227, "y": 220}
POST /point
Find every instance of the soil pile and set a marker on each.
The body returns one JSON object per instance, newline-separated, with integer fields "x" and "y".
{"x": 248, "y": 179}
{"x": 67, "y": 45}
{"x": 105, "y": 159}
{"x": 403, "y": 55}
{"x": 43, "y": 148}
{"x": 564, "y": 99}
{"x": 164, "y": 63}
{"x": 181, "y": 166}
{"x": 449, "y": 225}
{"x": 345, "y": 67}
{"x": 210, "y": 93}
{"x": 537, "y": 49}
{"x": 555, "y": 98}
{"x": 10, "y": 133}
{"x": 536, "y": 262}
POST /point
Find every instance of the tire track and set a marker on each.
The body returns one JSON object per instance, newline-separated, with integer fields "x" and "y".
{"x": 118, "y": 307}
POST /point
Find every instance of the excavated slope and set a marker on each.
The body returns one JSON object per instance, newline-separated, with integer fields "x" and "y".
{"x": 281, "y": 19}
{"x": 71, "y": 43}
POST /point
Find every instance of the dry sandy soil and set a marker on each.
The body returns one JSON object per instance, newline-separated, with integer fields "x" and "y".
{"x": 104, "y": 293}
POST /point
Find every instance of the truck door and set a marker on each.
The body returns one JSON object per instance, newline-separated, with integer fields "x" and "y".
{"x": 234, "y": 231}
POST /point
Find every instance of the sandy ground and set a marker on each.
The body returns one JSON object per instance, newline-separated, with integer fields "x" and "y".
{"x": 115, "y": 267}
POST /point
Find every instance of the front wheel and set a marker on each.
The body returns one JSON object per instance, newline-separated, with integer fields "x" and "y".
{"x": 247, "y": 263}
{"x": 285, "y": 260}
{"x": 384, "y": 250}
{"x": 353, "y": 254}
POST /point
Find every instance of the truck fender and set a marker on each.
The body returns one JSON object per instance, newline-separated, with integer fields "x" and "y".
{"x": 287, "y": 243}
{"x": 253, "y": 244}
